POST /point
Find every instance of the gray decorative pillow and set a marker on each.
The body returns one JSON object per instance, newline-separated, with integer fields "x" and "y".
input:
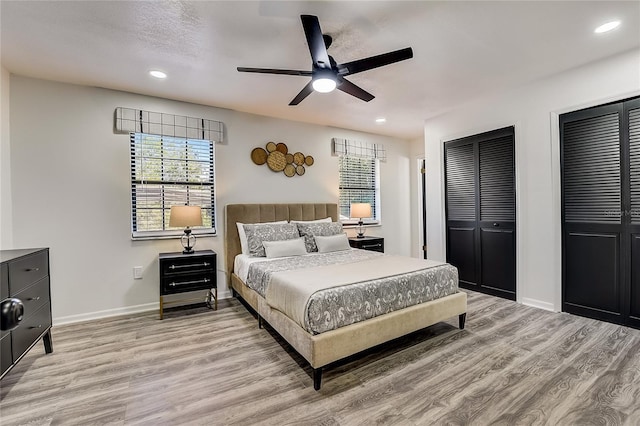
{"x": 257, "y": 233}
{"x": 323, "y": 229}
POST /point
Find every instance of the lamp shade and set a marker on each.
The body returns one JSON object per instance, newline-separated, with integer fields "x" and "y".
{"x": 360, "y": 210}
{"x": 183, "y": 216}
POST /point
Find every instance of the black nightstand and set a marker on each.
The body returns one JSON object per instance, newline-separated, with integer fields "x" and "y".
{"x": 367, "y": 243}
{"x": 180, "y": 273}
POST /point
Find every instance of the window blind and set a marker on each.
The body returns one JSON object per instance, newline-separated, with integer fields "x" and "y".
{"x": 168, "y": 171}
{"x": 358, "y": 183}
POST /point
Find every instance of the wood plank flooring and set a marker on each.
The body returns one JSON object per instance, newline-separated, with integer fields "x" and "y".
{"x": 512, "y": 365}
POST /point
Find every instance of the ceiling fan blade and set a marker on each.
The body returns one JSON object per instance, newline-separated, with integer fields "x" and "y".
{"x": 315, "y": 41}
{"x": 375, "y": 61}
{"x": 276, "y": 71}
{"x": 306, "y": 91}
{"x": 350, "y": 88}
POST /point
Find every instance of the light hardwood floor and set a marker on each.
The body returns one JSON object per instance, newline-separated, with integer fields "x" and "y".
{"x": 512, "y": 365}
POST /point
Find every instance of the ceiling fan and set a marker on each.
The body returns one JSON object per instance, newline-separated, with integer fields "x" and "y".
{"x": 326, "y": 73}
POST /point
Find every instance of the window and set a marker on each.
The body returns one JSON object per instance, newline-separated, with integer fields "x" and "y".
{"x": 168, "y": 171}
{"x": 359, "y": 183}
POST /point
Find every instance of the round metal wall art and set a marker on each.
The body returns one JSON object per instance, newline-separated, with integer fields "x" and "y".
{"x": 278, "y": 158}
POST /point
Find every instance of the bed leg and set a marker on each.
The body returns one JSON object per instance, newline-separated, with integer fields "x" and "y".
{"x": 317, "y": 378}
{"x": 234, "y": 293}
{"x": 259, "y": 321}
{"x": 461, "y": 320}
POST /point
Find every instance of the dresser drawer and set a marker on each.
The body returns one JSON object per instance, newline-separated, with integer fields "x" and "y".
{"x": 29, "y": 330}
{"x": 34, "y": 296}
{"x": 4, "y": 281}
{"x": 188, "y": 282}
{"x": 6, "y": 358}
{"x": 187, "y": 265}
{"x": 28, "y": 270}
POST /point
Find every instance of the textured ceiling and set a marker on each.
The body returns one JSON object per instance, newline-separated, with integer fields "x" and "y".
{"x": 462, "y": 51}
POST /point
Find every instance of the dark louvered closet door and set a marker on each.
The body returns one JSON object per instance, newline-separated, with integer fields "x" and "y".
{"x": 461, "y": 211}
{"x": 498, "y": 215}
{"x": 480, "y": 208}
{"x": 633, "y": 115}
{"x": 592, "y": 203}
{"x": 600, "y": 150}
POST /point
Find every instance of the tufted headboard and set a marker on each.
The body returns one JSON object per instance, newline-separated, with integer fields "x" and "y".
{"x": 257, "y": 213}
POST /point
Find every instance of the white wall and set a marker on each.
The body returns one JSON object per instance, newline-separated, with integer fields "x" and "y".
{"x": 6, "y": 231}
{"x": 533, "y": 110}
{"x": 71, "y": 188}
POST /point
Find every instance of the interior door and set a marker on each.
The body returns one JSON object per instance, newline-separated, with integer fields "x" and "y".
{"x": 423, "y": 180}
{"x": 600, "y": 159}
{"x": 480, "y": 211}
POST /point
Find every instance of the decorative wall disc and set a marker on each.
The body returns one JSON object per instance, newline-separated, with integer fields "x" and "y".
{"x": 271, "y": 146}
{"x": 276, "y": 161}
{"x": 282, "y": 148}
{"x": 298, "y": 158}
{"x": 308, "y": 160}
{"x": 289, "y": 158}
{"x": 259, "y": 156}
{"x": 300, "y": 170}
{"x": 289, "y": 170}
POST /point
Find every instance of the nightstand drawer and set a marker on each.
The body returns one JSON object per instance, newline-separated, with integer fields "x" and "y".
{"x": 28, "y": 270}
{"x": 368, "y": 243}
{"x": 187, "y": 265}
{"x": 188, "y": 282}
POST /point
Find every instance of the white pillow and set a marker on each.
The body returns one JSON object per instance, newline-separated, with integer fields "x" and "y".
{"x": 332, "y": 243}
{"x": 326, "y": 219}
{"x": 285, "y": 248}
{"x": 243, "y": 236}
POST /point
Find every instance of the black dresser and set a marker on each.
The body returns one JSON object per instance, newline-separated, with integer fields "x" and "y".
{"x": 25, "y": 276}
{"x": 181, "y": 273}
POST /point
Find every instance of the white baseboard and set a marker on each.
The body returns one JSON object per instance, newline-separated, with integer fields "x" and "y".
{"x": 127, "y": 310}
{"x": 538, "y": 304}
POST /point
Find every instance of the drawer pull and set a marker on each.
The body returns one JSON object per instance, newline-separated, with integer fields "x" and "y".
{"x": 34, "y": 327}
{"x": 189, "y": 266}
{"x": 33, "y": 298}
{"x": 371, "y": 245}
{"x": 32, "y": 269}
{"x": 174, "y": 284}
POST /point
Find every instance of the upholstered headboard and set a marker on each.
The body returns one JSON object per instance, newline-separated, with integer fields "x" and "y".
{"x": 257, "y": 213}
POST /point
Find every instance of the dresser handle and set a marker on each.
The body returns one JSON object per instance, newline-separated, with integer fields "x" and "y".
{"x": 33, "y": 298}
{"x": 173, "y": 284}
{"x": 32, "y": 269}
{"x": 38, "y": 326}
{"x": 189, "y": 266}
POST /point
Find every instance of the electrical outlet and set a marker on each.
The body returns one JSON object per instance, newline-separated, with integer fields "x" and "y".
{"x": 137, "y": 272}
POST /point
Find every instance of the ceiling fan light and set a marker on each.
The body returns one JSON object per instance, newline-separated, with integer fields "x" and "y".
{"x": 324, "y": 85}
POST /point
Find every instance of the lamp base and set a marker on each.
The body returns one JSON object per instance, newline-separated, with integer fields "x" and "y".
{"x": 360, "y": 229}
{"x": 188, "y": 241}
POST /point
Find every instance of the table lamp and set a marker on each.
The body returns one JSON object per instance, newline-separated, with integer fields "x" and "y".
{"x": 187, "y": 217}
{"x": 360, "y": 210}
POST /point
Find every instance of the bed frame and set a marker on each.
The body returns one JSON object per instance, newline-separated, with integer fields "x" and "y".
{"x": 324, "y": 348}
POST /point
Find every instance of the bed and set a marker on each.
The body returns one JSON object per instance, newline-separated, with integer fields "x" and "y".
{"x": 327, "y": 346}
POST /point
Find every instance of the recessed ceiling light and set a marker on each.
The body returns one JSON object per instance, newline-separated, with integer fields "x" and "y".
{"x": 157, "y": 74}
{"x": 607, "y": 27}
{"x": 381, "y": 120}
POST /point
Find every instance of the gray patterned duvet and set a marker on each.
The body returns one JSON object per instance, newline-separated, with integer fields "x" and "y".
{"x": 341, "y": 305}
